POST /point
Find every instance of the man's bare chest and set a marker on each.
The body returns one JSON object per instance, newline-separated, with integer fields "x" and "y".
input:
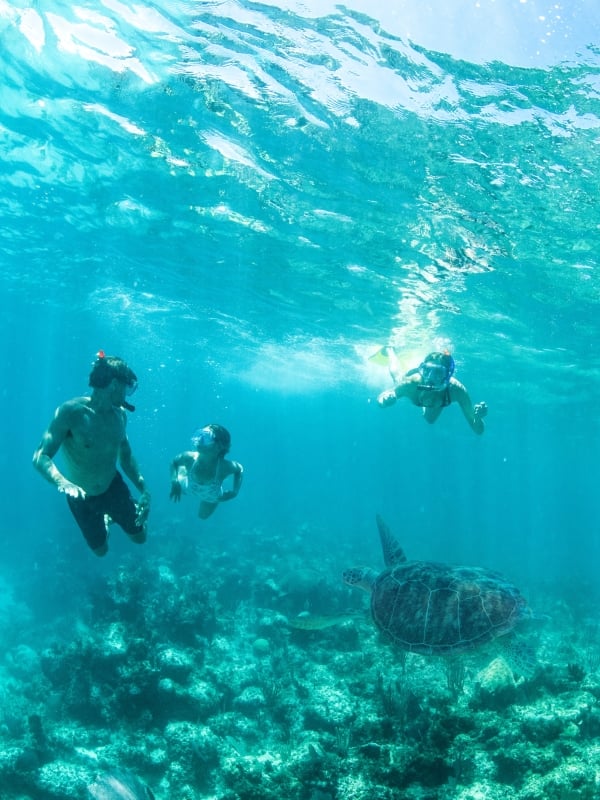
{"x": 96, "y": 432}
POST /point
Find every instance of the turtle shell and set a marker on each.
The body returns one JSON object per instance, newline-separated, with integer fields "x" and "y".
{"x": 437, "y": 609}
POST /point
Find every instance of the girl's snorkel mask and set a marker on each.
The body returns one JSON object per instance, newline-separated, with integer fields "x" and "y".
{"x": 213, "y": 434}
{"x": 203, "y": 438}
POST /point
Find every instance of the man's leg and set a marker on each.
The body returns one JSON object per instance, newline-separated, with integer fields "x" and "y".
{"x": 123, "y": 510}
{"x": 89, "y": 515}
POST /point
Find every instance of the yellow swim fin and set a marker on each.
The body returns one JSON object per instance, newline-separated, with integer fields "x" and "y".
{"x": 380, "y": 357}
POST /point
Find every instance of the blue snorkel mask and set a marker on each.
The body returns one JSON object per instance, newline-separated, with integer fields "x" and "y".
{"x": 434, "y": 376}
{"x": 203, "y": 438}
{"x": 436, "y": 371}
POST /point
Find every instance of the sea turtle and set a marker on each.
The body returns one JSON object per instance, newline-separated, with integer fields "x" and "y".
{"x": 437, "y": 609}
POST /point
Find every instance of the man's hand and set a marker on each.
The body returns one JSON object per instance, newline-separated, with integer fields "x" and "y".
{"x": 228, "y": 495}
{"x": 480, "y": 410}
{"x": 175, "y": 491}
{"x": 143, "y": 508}
{"x": 70, "y": 489}
{"x": 387, "y": 398}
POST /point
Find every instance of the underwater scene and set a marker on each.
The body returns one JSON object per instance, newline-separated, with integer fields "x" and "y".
{"x": 300, "y": 315}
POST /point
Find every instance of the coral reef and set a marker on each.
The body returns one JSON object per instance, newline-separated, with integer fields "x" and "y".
{"x": 184, "y": 671}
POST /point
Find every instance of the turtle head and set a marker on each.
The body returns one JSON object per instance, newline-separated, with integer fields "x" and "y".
{"x": 362, "y": 577}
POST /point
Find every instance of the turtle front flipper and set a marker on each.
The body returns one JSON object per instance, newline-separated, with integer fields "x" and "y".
{"x": 392, "y": 552}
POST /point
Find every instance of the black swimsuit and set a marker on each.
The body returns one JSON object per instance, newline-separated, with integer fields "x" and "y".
{"x": 116, "y": 501}
{"x": 428, "y": 389}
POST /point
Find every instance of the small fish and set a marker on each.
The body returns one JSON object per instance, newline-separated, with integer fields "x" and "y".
{"x": 317, "y": 622}
{"x": 118, "y": 785}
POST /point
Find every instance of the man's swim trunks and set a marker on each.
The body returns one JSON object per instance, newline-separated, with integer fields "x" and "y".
{"x": 116, "y": 501}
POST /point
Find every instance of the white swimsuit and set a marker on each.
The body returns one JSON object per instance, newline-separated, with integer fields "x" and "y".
{"x": 209, "y": 492}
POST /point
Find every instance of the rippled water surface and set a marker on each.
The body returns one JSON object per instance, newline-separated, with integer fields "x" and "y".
{"x": 300, "y": 180}
{"x": 247, "y": 200}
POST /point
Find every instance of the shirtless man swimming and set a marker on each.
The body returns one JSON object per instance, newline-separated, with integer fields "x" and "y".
{"x": 204, "y": 469}
{"x": 90, "y": 432}
{"x": 432, "y": 387}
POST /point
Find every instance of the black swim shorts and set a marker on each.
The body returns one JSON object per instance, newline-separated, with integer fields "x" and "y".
{"x": 116, "y": 501}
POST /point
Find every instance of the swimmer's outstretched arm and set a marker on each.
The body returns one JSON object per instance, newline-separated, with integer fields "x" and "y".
{"x": 474, "y": 414}
{"x": 389, "y": 397}
{"x": 237, "y": 471}
{"x": 49, "y": 447}
{"x": 180, "y": 467}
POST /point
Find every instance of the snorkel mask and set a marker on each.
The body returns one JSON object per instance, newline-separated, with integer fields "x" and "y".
{"x": 436, "y": 371}
{"x": 435, "y": 376}
{"x": 203, "y": 438}
{"x": 108, "y": 368}
{"x": 213, "y": 434}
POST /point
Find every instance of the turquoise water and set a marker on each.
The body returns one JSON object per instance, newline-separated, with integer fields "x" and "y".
{"x": 245, "y": 201}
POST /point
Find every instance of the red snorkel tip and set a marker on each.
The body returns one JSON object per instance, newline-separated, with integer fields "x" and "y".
{"x": 101, "y": 354}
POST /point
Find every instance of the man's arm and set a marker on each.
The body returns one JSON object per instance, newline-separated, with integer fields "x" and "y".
{"x": 237, "y": 471}
{"x": 474, "y": 414}
{"x": 131, "y": 469}
{"x": 43, "y": 457}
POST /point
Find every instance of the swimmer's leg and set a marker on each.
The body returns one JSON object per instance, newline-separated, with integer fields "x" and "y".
{"x": 206, "y": 509}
